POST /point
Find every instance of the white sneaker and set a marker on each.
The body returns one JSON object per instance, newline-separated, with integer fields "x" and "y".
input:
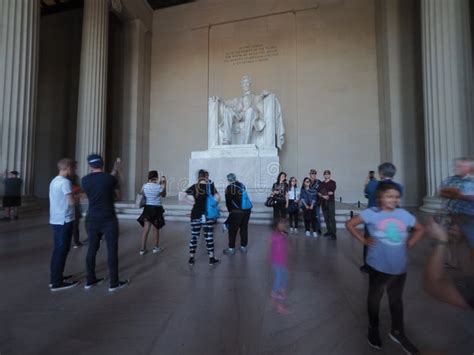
{"x": 295, "y": 230}
{"x": 143, "y": 252}
{"x": 157, "y": 250}
{"x": 308, "y": 233}
{"x": 291, "y": 230}
{"x": 315, "y": 235}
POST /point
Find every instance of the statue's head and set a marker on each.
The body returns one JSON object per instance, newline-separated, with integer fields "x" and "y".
{"x": 246, "y": 82}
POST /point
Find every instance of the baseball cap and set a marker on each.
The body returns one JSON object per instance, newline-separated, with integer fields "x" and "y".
{"x": 95, "y": 161}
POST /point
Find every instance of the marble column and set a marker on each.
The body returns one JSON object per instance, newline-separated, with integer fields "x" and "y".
{"x": 92, "y": 104}
{"x": 447, "y": 86}
{"x": 19, "y": 38}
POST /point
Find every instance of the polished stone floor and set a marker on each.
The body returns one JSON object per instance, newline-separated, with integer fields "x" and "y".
{"x": 172, "y": 309}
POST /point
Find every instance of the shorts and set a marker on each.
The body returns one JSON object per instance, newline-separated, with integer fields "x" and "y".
{"x": 11, "y": 201}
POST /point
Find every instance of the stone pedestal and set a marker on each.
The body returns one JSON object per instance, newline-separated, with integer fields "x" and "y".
{"x": 256, "y": 168}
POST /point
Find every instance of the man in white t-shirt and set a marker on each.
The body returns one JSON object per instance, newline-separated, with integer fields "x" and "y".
{"x": 61, "y": 217}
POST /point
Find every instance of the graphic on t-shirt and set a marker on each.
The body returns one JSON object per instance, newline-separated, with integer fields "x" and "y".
{"x": 392, "y": 230}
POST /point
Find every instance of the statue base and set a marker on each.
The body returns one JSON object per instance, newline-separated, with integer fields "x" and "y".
{"x": 256, "y": 168}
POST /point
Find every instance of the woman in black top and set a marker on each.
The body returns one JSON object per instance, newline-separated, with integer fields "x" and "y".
{"x": 280, "y": 193}
{"x": 198, "y": 216}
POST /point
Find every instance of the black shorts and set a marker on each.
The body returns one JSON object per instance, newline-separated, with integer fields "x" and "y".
{"x": 11, "y": 201}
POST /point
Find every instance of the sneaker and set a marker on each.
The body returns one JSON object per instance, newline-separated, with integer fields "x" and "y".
{"x": 315, "y": 235}
{"x": 333, "y": 237}
{"x": 308, "y": 234}
{"x": 243, "y": 250}
{"x": 373, "y": 338}
{"x": 291, "y": 230}
{"x": 213, "y": 261}
{"x": 98, "y": 281}
{"x": 157, "y": 250}
{"x": 118, "y": 286}
{"x": 327, "y": 234}
{"x": 78, "y": 245}
{"x": 65, "y": 278}
{"x": 400, "y": 338}
{"x": 365, "y": 268}
{"x": 191, "y": 261}
{"x": 65, "y": 286}
{"x": 295, "y": 230}
{"x": 229, "y": 251}
{"x": 143, "y": 252}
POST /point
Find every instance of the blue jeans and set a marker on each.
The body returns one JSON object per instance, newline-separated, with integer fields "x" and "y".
{"x": 318, "y": 216}
{"x": 95, "y": 230}
{"x": 62, "y": 235}
{"x": 280, "y": 282}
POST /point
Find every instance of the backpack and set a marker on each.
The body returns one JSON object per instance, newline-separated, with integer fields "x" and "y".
{"x": 246, "y": 203}
{"x": 212, "y": 207}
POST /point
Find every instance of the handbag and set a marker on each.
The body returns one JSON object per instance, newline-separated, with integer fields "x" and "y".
{"x": 271, "y": 201}
{"x": 293, "y": 207}
{"x": 212, "y": 207}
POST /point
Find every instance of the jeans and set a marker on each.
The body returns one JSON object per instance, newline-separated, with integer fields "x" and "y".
{"x": 109, "y": 229}
{"x": 293, "y": 216}
{"x": 62, "y": 235}
{"x": 238, "y": 220}
{"x": 309, "y": 220}
{"x": 317, "y": 209}
{"x": 394, "y": 284}
{"x": 280, "y": 282}
{"x": 329, "y": 211}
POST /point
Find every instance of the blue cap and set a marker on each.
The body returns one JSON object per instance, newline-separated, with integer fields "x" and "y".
{"x": 95, "y": 161}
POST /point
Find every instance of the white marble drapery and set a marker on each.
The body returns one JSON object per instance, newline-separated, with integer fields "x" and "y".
{"x": 19, "y": 37}
{"x": 91, "y": 118}
{"x": 447, "y": 84}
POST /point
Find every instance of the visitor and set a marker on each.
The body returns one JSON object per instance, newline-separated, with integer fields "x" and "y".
{"x": 152, "y": 215}
{"x": 308, "y": 204}
{"x": 279, "y": 262}
{"x": 12, "y": 194}
{"x": 293, "y": 205}
{"x": 459, "y": 291}
{"x": 280, "y": 194}
{"x": 313, "y": 188}
{"x": 388, "y": 243}
{"x": 459, "y": 192}
{"x": 386, "y": 173}
{"x": 102, "y": 189}
{"x": 76, "y": 195}
{"x": 326, "y": 193}
{"x": 61, "y": 217}
{"x": 239, "y": 206}
{"x": 200, "y": 191}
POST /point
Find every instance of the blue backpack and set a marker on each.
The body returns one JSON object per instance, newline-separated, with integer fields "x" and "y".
{"x": 246, "y": 203}
{"x": 212, "y": 207}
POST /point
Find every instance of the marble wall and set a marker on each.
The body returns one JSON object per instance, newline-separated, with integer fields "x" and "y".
{"x": 324, "y": 72}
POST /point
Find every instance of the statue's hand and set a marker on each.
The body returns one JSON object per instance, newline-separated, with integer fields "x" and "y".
{"x": 215, "y": 98}
{"x": 265, "y": 93}
{"x": 282, "y": 140}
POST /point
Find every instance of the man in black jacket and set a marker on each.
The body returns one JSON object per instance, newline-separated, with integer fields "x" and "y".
{"x": 239, "y": 207}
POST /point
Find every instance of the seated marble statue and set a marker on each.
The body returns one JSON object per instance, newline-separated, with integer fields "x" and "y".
{"x": 248, "y": 119}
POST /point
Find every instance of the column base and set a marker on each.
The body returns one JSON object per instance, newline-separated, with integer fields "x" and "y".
{"x": 433, "y": 205}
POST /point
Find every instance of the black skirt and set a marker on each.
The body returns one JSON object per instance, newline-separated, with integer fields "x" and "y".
{"x": 11, "y": 201}
{"x": 152, "y": 214}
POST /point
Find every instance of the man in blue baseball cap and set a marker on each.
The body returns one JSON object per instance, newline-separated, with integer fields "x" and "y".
{"x": 101, "y": 189}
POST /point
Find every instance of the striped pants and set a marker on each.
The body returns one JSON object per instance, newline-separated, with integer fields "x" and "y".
{"x": 208, "y": 227}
